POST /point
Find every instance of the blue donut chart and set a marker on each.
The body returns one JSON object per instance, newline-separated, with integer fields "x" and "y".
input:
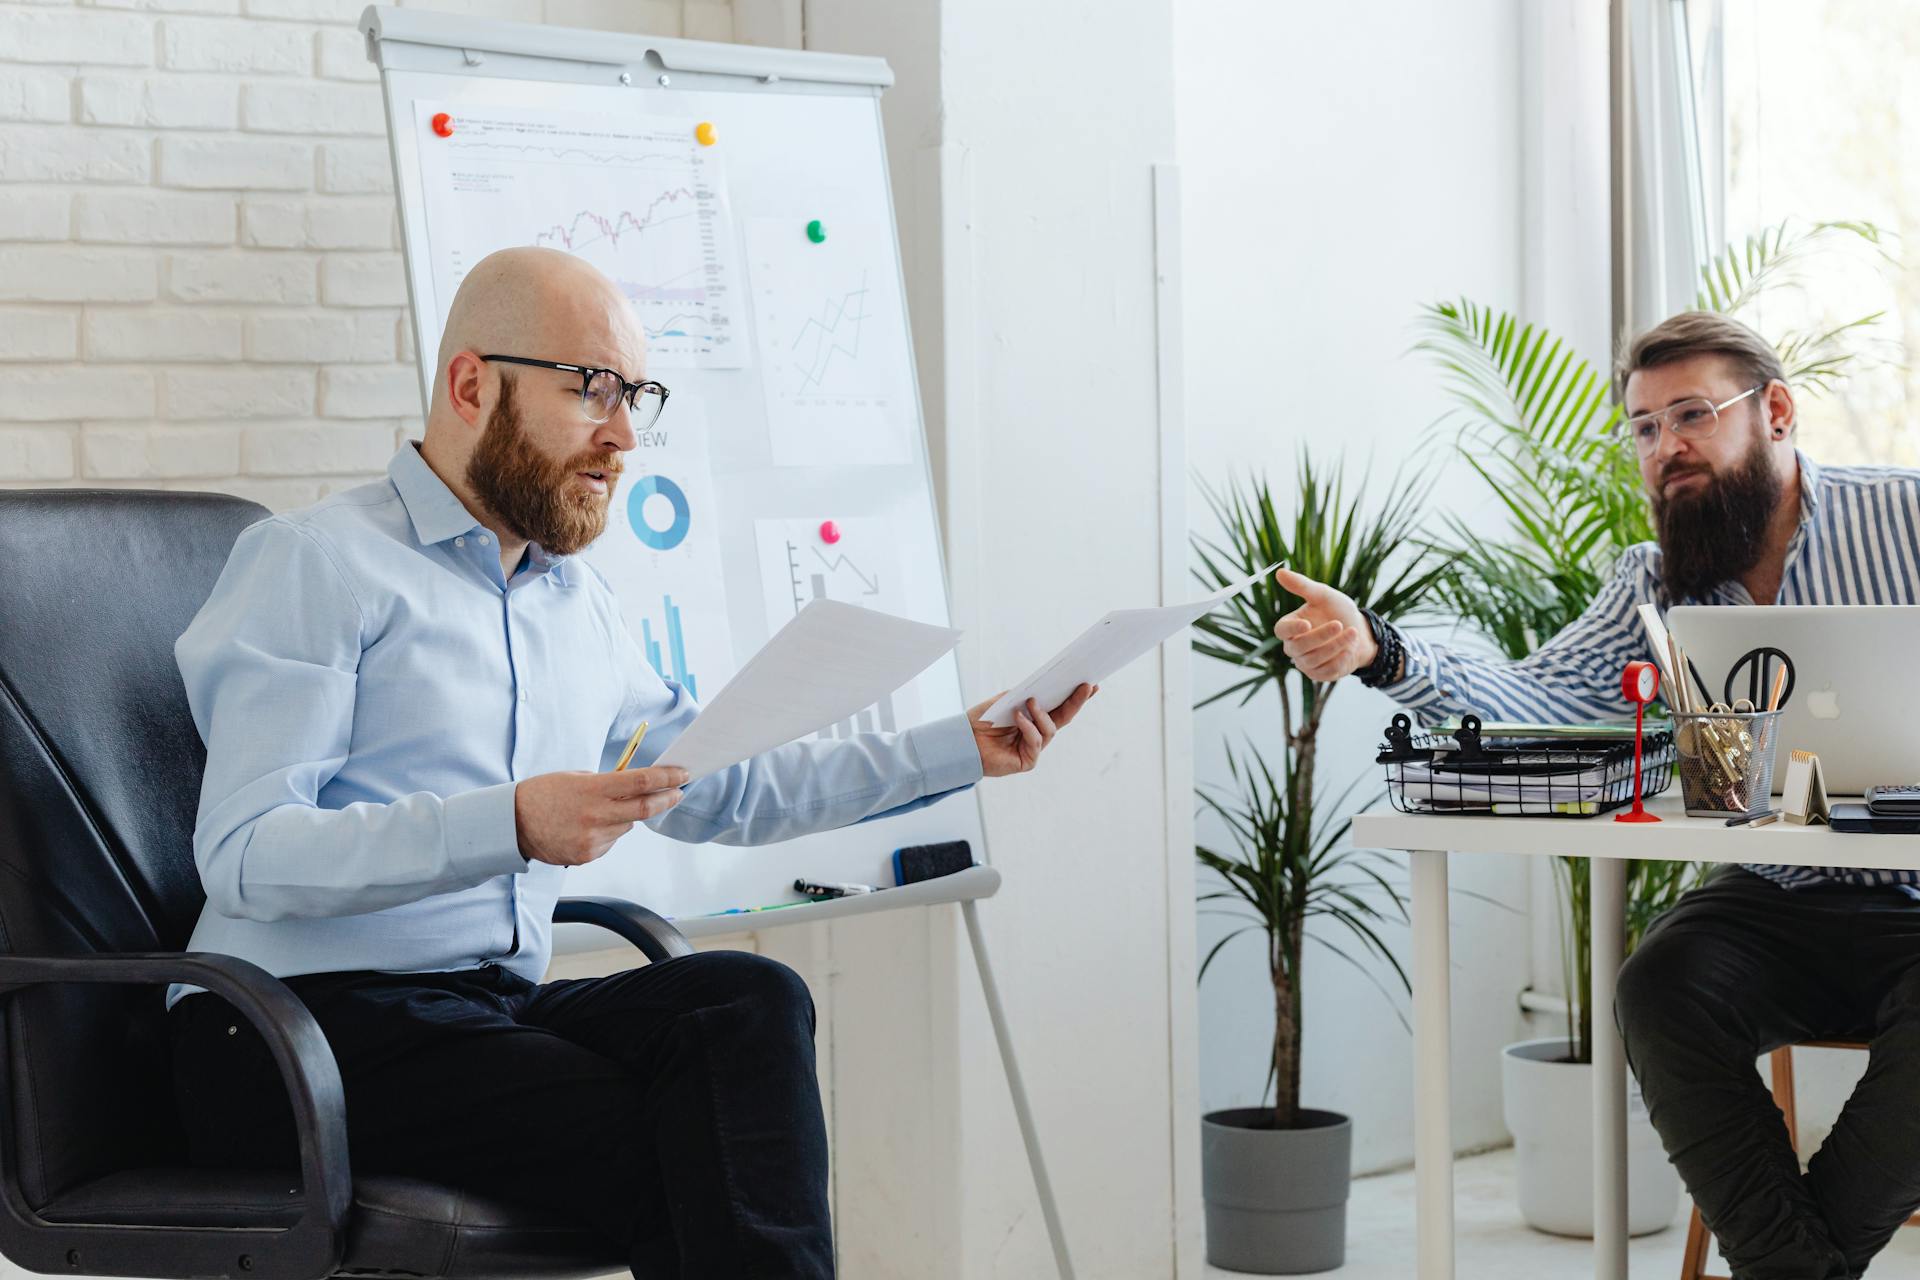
{"x": 659, "y": 539}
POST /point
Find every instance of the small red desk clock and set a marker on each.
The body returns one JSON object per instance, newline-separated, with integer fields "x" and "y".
{"x": 1640, "y": 682}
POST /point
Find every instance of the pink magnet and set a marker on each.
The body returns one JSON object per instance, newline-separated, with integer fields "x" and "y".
{"x": 829, "y": 532}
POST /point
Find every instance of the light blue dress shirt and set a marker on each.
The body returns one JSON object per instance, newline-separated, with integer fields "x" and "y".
{"x": 371, "y": 688}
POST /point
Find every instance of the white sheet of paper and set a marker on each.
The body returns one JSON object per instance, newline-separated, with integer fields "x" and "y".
{"x": 830, "y": 662}
{"x": 1656, "y": 629}
{"x": 1107, "y": 646}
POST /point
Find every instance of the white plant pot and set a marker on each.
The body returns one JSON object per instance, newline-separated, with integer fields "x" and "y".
{"x": 1549, "y": 1111}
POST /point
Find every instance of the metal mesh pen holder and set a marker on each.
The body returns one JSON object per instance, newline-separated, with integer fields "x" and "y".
{"x": 1726, "y": 760}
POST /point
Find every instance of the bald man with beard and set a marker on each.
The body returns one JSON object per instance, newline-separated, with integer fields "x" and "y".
{"x": 412, "y": 695}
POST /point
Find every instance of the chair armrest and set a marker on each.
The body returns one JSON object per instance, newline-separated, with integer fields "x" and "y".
{"x": 653, "y": 934}
{"x": 315, "y": 1244}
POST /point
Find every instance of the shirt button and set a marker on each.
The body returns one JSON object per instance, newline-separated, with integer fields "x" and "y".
{"x": 459, "y": 542}
{"x": 484, "y": 540}
{"x": 523, "y": 695}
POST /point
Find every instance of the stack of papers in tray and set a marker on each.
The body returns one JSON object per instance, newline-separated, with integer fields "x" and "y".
{"x": 1519, "y": 782}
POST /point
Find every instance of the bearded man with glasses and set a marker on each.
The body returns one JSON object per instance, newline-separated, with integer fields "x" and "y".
{"x": 413, "y": 697}
{"x": 1761, "y": 955}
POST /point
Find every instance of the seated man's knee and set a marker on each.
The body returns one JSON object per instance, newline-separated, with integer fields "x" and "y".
{"x": 1660, "y": 984}
{"x": 766, "y": 988}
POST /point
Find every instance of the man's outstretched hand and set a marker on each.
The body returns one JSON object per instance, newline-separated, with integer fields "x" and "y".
{"x": 1327, "y": 637}
{"x": 1017, "y": 747}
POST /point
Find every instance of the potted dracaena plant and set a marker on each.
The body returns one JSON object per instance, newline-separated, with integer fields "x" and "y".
{"x": 1536, "y": 424}
{"x": 1275, "y": 1177}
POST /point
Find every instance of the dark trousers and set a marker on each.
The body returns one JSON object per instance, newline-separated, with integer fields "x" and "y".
{"x": 673, "y": 1107}
{"x": 1739, "y": 967}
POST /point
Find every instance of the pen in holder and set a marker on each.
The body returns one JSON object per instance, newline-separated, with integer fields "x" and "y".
{"x": 1726, "y": 760}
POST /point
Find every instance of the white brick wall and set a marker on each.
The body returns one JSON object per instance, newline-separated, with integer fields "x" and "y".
{"x": 200, "y": 273}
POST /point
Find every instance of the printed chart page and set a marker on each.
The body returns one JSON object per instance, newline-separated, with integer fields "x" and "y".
{"x": 661, "y": 555}
{"x": 854, "y": 561}
{"x": 639, "y": 197}
{"x": 832, "y": 338}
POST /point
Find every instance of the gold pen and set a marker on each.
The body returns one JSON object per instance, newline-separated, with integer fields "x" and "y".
{"x": 633, "y": 744}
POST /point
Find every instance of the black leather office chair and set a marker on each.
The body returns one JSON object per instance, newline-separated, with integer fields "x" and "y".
{"x": 100, "y": 770}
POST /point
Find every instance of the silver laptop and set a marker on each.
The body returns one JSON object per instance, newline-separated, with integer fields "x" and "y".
{"x": 1855, "y": 700}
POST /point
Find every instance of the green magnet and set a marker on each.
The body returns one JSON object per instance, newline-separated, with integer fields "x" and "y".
{"x": 816, "y": 231}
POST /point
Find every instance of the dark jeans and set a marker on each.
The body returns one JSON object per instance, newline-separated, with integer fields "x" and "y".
{"x": 1741, "y": 966}
{"x": 673, "y": 1107}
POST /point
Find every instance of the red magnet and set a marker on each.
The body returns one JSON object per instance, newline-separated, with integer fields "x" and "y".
{"x": 443, "y": 124}
{"x": 829, "y": 532}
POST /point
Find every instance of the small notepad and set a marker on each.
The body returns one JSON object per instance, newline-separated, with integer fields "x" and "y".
{"x": 1804, "y": 797}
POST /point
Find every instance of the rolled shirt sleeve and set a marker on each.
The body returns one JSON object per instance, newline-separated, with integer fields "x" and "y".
{"x": 1573, "y": 677}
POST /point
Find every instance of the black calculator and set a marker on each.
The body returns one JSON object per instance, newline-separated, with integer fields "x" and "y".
{"x": 1893, "y": 800}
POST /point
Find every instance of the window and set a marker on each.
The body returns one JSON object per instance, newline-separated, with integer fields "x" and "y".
{"x": 1810, "y": 111}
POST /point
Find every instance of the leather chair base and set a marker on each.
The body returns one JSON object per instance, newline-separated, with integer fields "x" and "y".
{"x": 415, "y": 1229}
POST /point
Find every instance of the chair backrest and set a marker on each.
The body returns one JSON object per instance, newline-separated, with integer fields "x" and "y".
{"x": 100, "y": 769}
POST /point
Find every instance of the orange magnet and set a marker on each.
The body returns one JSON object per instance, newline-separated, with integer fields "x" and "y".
{"x": 705, "y": 133}
{"x": 829, "y": 532}
{"x": 443, "y": 124}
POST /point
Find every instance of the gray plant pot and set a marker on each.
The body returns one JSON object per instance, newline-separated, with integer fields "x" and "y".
{"x": 1276, "y": 1198}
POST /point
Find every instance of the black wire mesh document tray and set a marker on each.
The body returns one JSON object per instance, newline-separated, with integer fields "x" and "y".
{"x": 1428, "y": 771}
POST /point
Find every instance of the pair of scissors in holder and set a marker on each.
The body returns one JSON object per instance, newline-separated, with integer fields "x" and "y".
{"x": 1760, "y": 665}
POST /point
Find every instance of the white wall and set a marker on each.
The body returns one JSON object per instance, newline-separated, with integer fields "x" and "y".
{"x": 1341, "y": 167}
{"x": 1022, "y": 177}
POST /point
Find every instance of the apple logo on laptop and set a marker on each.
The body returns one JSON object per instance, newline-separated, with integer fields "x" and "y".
{"x": 1824, "y": 705}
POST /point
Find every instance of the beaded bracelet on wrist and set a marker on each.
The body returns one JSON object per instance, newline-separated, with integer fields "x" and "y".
{"x": 1390, "y": 652}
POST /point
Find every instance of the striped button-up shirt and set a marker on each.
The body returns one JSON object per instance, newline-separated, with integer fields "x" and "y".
{"x": 1858, "y": 543}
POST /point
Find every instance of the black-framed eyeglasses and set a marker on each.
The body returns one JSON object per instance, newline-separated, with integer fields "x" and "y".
{"x": 601, "y": 390}
{"x": 1694, "y": 419}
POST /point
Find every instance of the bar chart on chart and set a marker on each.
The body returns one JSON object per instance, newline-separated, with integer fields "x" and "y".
{"x": 672, "y": 664}
{"x": 853, "y": 561}
{"x": 637, "y": 196}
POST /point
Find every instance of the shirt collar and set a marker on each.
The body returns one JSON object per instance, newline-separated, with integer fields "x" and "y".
{"x": 543, "y": 561}
{"x": 1809, "y": 510}
{"x": 437, "y": 512}
{"x": 1809, "y": 487}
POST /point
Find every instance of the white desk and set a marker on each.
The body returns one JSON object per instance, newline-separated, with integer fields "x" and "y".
{"x": 1429, "y": 838}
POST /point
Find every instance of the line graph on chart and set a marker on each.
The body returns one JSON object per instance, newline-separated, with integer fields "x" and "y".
{"x": 831, "y": 335}
{"x": 833, "y": 330}
{"x": 638, "y": 198}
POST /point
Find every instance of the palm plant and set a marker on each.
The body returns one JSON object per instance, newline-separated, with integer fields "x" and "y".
{"x": 1332, "y": 538}
{"x": 1537, "y": 425}
{"x": 1819, "y": 358}
{"x": 1287, "y": 865}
